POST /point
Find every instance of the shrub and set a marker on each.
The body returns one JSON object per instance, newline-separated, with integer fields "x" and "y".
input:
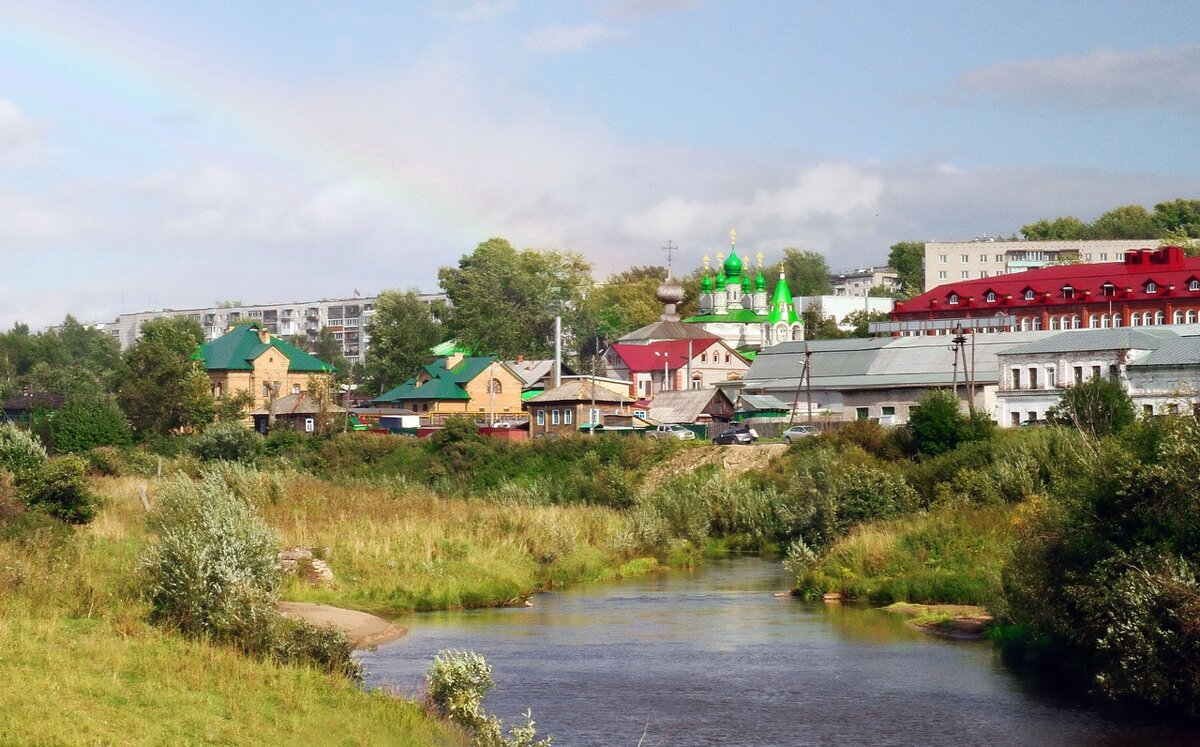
{"x": 19, "y": 450}
{"x": 937, "y": 424}
{"x": 229, "y": 441}
{"x": 85, "y": 422}
{"x": 59, "y": 487}
{"x": 1098, "y": 406}
{"x": 457, "y": 681}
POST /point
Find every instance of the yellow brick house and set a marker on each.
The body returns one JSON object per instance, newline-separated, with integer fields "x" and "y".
{"x": 249, "y": 358}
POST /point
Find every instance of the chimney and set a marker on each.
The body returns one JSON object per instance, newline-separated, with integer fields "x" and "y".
{"x": 520, "y": 358}
{"x": 453, "y": 360}
{"x": 264, "y": 336}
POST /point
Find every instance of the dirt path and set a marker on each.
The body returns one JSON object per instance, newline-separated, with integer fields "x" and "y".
{"x": 732, "y": 459}
{"x": 362, "y": 629}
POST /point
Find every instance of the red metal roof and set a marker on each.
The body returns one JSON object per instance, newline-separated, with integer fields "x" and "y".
{"x": 649, "y": 357}
{"x": 1170, "y": 271}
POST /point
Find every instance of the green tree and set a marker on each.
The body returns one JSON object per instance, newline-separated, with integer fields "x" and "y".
{"x": 937, "y": 422}
{"x": 1065, "y": 228}
{"x": 328, "y": 348}
{"x": 907, "y": 258}
{"x": 1098, "y": 406}
{"x": 161, "y": 387}
{"x": 86, "y": 421}
{"x": 861, "y": 319}
{"x": 1125, "y": 222}
{"x": 819, "y": 326}
{"x": 807, "y": 272}
{"x": 503, "y": 301}
{"x": 623, "y": 303}
{"x": 402, "y": 331}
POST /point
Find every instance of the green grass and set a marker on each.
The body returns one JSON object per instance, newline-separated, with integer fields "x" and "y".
{"x": 951, "y": 556}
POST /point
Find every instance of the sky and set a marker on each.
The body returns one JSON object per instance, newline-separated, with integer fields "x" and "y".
{"x": 175, "y": 154}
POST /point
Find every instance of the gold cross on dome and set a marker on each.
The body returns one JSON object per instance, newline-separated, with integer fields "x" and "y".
{"x": 732, "y": 236}
{"x": 706, "y": 261}
{"x": 720, "y": 257}
{"x": 759, "y": 257}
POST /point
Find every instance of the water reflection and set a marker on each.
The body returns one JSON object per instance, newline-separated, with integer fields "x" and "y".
{"x": 712, "y": 657}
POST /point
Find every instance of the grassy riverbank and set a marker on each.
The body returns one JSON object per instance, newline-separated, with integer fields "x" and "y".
{"x": 81, "y": 664}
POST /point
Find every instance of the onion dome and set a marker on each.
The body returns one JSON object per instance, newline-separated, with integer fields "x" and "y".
{"x": 760, "y": 283}
{"x": 706, "y": 284}
{"x": 670, "y": 292}
{"x": 721, "y": 281}
{"x": 733, "y": 265}
{"x": 746, "y": 284}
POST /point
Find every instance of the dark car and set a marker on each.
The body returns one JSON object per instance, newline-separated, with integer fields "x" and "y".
{"x": 741, "y": 435}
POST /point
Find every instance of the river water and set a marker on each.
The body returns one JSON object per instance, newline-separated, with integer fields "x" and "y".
{"x": 711, "y": 657}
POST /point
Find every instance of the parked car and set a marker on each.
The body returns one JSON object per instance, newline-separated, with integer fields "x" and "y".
{"x": 671, "y": 430}
{"x": 736, "y": 435}
{"x": 800, "y": 431}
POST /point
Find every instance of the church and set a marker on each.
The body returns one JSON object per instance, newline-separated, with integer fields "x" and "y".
{"x": 735, "y": 308}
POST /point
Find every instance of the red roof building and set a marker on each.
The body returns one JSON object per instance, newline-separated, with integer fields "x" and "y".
{"x": 1151, "y": 287}
{"x": 669, "y": 365}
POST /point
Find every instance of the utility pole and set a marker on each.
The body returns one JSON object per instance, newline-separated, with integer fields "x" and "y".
{"x": 808, "y": 378}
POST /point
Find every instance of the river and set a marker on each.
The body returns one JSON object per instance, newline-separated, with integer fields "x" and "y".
{"x": 711, "y": 657}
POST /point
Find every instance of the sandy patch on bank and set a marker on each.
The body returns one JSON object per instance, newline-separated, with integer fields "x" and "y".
{"x": 362, "y": 629}
{"x": 961, "y": 621}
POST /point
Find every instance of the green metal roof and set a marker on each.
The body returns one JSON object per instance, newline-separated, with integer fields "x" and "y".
{"x": 782, "y": 309}
{"x": 742, "y": 316}
{"x": 442, "y": 384}
{"x": 237, "y": 349}
{"x": 449, "y": 347}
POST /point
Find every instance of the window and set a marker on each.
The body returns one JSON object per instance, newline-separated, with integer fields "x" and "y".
{"x": 999, "y": 259}
{"x": 953, "y": 298}
{"x": 1160, "y": 317}
{"x": 1032, "y": 415}
{"x": 266, "y": 390}
{"x": 1112, "y": 371}
{"x": 965, "y": 258}
{"x": 1068, "y": 292}
{"x": 1177, "y": 317}
{"x": 1194, "y": 285}
{"x": 1087, "y": 257}
{"x": 1095, "y": 372}
{"x": 941, "y": 259}
{"x": 541, "y": 417}
{"x": 983, "y": 258}
{"x": 704, "y": 357}
{"x": 568, "y": 415}
{"x": 1053, "y": 323}
{"x": 1148, "y": 410}
{"x": 1029, "y": 294}
{"x": 727, "y": 357}
{"x": 1079, "y": 374}
{"x": 1103, "y": 256}
{"x": 991, "y": 297}
{"x": 554, "y": 417}
{"x": 966, "y": 274}
{"x": 983, "y": 273}
{"x": 1025, "y": 325}
{"x": 1108, "y": 289}
{"x": 1016, "y": 378}
{"x": 1104, "y": 321}
{"x": 1051, "y": 377}
{"x": 862, "y": 413}
{"x": 295, "y": 388}
{"x": 1151, "y": 287}
{"x": 1016, "y": 419}
{"x": 1033, "y": 378}
{"x": 1146, "y": 319}
{"x": 887, "y": 410}
{"x": 1134, "y": 320}
{"x": 1191, "y": 316}
{"x": 941, "y": 274}
{"x": 495, "y": 387}
{"x": 1117, "y": 320}
{"x": 1093, "y": 321}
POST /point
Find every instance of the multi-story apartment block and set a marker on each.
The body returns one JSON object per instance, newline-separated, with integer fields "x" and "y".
{"x": 860, "y": 281}
{"x": 954, "y": 261}
{"x": 345, "y": 317}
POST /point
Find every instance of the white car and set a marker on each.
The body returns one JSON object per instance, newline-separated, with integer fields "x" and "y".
{"x": 799, "y": 431}
{"x": 672, "y": 430}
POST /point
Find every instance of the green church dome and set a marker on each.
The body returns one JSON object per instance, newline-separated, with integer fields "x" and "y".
{"x": 706, "y": 284}
{"x": 760, "y": 283}
{"x": 721, "y": 281}
{"x": 733, "y": 265}
{"x": 746, "y": 284}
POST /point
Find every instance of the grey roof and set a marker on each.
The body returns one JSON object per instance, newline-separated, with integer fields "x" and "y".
{"x": 532, "y": 371}
{"x": 752, "y": 402}
{"x": 681, "y": 406}
{"x": 1082, "y": 340}
{"x": 1181, "y": 351}
{"x": 297, "y": 404}
{"x": 664, "y": 330}
{"x": 578, "y": 390}
{"x": 881, "y": 362}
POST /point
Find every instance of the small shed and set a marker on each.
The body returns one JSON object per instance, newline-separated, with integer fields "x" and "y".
{"x": 299, "y": 412}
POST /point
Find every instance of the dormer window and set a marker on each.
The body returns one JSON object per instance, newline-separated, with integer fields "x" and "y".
{"x": 953, "y": 298}
{"x": 1108, "y": 289}
{"x": 990, "y": 297}
{"x": 1029, "y": 294}
{"x": 1151, "y": 287}
{"x": 1068, "y": 291}
{"x": 1194, "y": 285}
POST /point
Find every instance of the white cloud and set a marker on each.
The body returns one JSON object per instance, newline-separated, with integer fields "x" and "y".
{"x": 20, "y": 137}
{"x": 1103, "y": 79}
{"x": 554, "y": 40}
{"x": 474, "y": 10}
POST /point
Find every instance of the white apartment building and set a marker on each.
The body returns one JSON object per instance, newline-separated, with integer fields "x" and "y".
{"x": 949, "y": 261}
{"x": 838, "y": 308}
{"x": 345, "y": 317}
{"x": 860, "y": 281}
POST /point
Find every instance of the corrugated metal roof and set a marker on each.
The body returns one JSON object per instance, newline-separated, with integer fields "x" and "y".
{"x": 297, "y": 404}
{"x": 756, "y": 402}
{"x": 681, "y": 406}
{"x": 578, "y": 390}
{"x": 1080, "y": 340}
{"x": 664, "y": 330}
{"x": 1181, "y": 351}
